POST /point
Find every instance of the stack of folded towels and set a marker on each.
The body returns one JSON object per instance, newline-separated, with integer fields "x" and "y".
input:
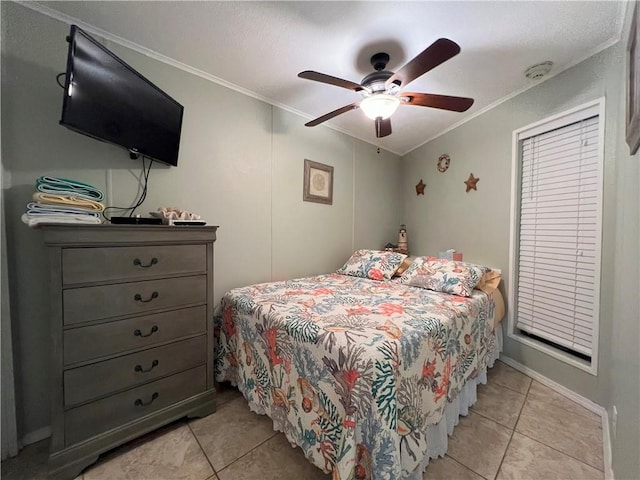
{"x": 59, "y": 200}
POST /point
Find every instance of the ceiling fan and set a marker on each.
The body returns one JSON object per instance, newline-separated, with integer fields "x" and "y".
{"x": 381, "y": 89}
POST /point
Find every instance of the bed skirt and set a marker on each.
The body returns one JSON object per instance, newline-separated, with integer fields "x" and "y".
{"x": 438, "y": 434}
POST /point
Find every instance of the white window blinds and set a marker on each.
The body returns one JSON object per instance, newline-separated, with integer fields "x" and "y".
{"x": 559, "y": 234}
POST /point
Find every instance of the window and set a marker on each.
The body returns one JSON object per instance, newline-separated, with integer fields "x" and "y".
{"x": 556, "y": 233}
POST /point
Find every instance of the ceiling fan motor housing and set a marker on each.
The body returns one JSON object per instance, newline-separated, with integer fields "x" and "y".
{"x": 375, "y": 82}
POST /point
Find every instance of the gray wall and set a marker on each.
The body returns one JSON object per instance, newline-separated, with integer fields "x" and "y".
{"x": 240, "y": 167}
{"x": 624, "y": 374}
{"x": 477, "y": 223}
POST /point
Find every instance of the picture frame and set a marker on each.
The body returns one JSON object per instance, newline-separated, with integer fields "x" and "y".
{"x": 318, "y": 183}
{"x": 633, "y": 83}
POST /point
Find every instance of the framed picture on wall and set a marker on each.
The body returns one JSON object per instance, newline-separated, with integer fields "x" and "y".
{"x": 633, "y": 83}
{"x": 318, "y": 183}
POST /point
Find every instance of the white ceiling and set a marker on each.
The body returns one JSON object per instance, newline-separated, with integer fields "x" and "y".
{"x": 260, "y": 47}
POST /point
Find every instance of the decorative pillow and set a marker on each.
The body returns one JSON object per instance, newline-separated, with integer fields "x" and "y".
{"x": 489, "y": 281}
{"x": 442, "y": 275}
{"x": 403, "y": 267}
{"x": 373, "y": 264}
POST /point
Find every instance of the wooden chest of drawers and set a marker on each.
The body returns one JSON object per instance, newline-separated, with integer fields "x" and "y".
{"x": 131, "y": 313}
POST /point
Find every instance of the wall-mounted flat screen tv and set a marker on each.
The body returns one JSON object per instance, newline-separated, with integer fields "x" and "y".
{"x": 108, "y": 100}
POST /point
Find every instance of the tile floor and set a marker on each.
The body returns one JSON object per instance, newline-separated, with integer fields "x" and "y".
{"x": 518, "y": 429}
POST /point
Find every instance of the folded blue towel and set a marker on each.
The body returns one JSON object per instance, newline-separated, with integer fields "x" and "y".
{"x": 39, "y": 209}
{"x": 35, "y": 220}
{"x": 57, "y": 185}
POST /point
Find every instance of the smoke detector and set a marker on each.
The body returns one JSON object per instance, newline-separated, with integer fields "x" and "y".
{"x": 536, "y": 72}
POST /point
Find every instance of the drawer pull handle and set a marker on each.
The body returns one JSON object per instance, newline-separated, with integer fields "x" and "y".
{"x": 140, "y": 403}
{"x": 138, "y": 297}
{"x": 138, "y": 333}
{"x": 138, "y": 263}
{"x": 139, "y": 368}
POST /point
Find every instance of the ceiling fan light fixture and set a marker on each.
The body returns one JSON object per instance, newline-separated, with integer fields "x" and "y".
{"x": 379, "y": 105}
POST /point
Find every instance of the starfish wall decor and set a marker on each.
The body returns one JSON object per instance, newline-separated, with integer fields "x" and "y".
{"x": 471, "y": 182}
{"x": 420, "y": 188}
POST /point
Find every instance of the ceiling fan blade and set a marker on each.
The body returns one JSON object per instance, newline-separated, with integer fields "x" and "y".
{"x": 330, "y": 115}
{"x": 324, "y": 78}
{"x": 444, "y": 102}
{"x": 383, "y": 127}
{"x": 440, "y": 51}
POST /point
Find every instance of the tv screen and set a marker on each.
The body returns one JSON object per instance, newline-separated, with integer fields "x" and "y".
{"x": 108, "y": 100}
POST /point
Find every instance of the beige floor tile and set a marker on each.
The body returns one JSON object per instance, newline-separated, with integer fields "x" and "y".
{"x": 230, "y": 432}
{"x": 499, "y": 403}
{"x": 169, "y": 453}
{"x": 479, "y": 444}
{"x": 446, "y": 468}
{"x": 574, "y": 434}
{"x": 527, "y": 459}
{"x": 542, "y": 393}
{"x": 275, "y": 459}
{"x": 503, "y": 374}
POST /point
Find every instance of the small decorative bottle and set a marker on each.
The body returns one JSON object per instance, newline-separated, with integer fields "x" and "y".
{"x": 403, "y": 246}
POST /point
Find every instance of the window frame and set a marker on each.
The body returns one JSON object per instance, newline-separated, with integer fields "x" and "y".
{"x": 560, "y": 120}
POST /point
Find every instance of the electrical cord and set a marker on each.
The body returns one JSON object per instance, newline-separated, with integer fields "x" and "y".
{"x": 145, "y": 174}
{"x": 143, "y": 195}
{"x": 58, "y": 79}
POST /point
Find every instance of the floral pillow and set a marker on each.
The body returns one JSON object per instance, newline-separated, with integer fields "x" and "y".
{"x": 442, "y": 275}
{"x": 373, "y": 264}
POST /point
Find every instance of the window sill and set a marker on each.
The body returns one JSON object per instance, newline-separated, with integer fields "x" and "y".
{"x": 589, "y": 367}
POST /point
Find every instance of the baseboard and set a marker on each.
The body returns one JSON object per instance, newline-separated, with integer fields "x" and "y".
{"x": 606, "y": 445}
{"x": 580, "y": 400}
{"x": 36, "y": 436}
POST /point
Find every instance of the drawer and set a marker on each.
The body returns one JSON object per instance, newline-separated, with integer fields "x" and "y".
{"x": 80, "y": 265}
{"x": 98, "y": 417}
{"x": 106, "y": 301}
{"x": 86, "y": 343}
{"x": 99, "y": 379}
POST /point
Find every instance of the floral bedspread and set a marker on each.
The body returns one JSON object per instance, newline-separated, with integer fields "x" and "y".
{"x": 352, "y": 370}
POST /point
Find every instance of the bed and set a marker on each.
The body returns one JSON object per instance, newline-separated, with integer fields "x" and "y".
{"x": 365, "y": 375}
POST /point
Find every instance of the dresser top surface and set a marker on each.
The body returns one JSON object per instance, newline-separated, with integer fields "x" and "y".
{"x": 108, "y": 234}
